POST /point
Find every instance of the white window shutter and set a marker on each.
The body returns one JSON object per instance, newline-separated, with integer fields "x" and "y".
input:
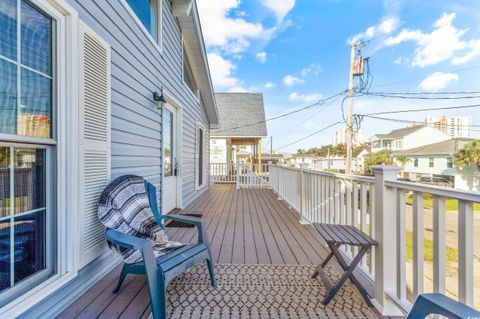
{"x": 95, "y": 144}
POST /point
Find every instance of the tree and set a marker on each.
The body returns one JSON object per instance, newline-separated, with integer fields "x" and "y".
{"x": 469, "y": 155}
{"x": 378, "y": 158}
{"x": 301, "y": 151}
{"x": 403, "y": 160}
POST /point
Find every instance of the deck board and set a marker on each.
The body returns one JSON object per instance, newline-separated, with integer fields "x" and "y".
{"x": 244, "y": 226}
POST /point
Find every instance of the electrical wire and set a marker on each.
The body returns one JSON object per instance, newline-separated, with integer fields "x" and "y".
{"x": 419, "y": 123}
{"x": 310, "y": 135}
{"x": 320, "y": 102}
{"x": 423, "y": 110}
{"x": 414, "y": 97}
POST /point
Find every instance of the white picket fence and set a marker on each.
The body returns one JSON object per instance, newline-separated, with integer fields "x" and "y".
{"x": 377, "y": 205}
{"x": 243, "y": 175}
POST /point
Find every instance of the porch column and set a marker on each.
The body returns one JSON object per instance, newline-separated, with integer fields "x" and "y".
{"x": 385, "y": 234}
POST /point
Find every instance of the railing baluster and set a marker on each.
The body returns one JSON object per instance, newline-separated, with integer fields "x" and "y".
{"x": 401, "y": 246}
{"x": 355, "y": 221}
{"x": 465, "y": 252}
{"x": 439, "y": 235}
{"x": 418, "y": 248}
{"x": 363, "y": 213}
{"x": 332, "y": 200}
{"x": 372, "y": 226}
{"x": 342, "y": 201}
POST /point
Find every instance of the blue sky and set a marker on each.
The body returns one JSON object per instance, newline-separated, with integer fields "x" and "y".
{"x": 296, "y": 52}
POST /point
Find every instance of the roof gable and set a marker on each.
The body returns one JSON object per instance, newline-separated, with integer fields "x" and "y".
{"x": 240, "y": 115}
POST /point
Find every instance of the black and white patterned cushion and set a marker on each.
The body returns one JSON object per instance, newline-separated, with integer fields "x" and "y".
{"x": 124, "y": 206}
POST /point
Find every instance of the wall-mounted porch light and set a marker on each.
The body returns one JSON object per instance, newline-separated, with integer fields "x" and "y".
{"x": 159, "y": 98}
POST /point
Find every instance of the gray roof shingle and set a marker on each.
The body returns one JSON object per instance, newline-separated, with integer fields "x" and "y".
{"x": 447, "y": 147}
{"x": 239, "y": 115}
{"x": 399, "y": 133}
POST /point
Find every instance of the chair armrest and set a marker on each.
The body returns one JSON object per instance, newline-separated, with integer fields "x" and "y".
{"x": 126, "y": 241}
{"x": 198, "y": 222}
{"x": 436, "y": 303}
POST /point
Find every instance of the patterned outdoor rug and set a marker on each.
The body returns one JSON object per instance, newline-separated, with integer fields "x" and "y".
{"x": 260, "y": 291}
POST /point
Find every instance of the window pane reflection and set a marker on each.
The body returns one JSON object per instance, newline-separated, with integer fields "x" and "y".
{"x": 8, "y": 29}
{"x": 34, "y": 119}
{"x": 4, "y": 181}
{"x": 29, "y": 244}
{"x": 36, "y": 39}
{"x": 8, "y": 97}
{"x": 29, "y": 179}
{"x": 167, "y": 143}
{"x": 4, "y": 254}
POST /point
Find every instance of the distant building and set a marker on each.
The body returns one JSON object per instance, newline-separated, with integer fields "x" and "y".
{"x": 340, "y": 137}
{"x": 434, "y": 163}
{"x": 455, "y": 126}
{"x": 406, "y": 138}
{"x": 241, "y": 128}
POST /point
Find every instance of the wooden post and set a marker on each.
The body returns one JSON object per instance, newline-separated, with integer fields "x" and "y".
{"x": 385, "y": 235}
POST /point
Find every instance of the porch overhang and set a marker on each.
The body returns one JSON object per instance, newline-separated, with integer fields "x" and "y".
{"x": 186, "y": 12}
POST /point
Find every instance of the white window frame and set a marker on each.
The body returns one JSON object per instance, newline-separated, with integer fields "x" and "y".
{"x": 64, "y": 119}
{"x": 199, "y": 126}
{"x": 196, "y": 94}
{"x": 157, "y": 43}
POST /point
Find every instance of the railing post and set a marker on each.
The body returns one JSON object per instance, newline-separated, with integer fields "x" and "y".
{"x": 303, "y": 220}
{"x": 237, "y": 168}
{"x": 385, "y": 235}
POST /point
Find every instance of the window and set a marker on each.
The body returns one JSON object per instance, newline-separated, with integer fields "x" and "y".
{"x": 431, "y": 162}
{"x": 449, "y": 162}
{"x": 415, "y": 162}
{"x": 200, "y": 172}
{"x": 168, "y": 155}
{"x": 148, "y": 12}
{"x": 26, "y": 108}
{"x": 25, "y": 71}
{"x": 188, "y": 74}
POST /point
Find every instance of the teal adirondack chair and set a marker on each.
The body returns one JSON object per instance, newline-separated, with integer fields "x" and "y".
{"x": 161, "y": 271}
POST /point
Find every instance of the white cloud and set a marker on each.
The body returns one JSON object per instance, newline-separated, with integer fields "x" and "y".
{"x": 280, "y": 7}
{"x": 314, "y": 69}
{"x": 290, "y": 80}
{"x": 441, "y": 44}
{"x": 261, "y": 57}
{"x": 304, "y": 98}
{"x": 386, "y": 26}
{"x": 438, "y": 81}
{"x": 238, "y": 89}
{"x": 220, "y": 29}
{"x": 221, "y": 71}
{"x": 269, "y": 85}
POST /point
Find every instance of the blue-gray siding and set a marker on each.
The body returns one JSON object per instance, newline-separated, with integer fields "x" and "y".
{"x": 138, "y": 69}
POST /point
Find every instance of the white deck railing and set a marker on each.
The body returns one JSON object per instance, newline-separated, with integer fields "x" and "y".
{"x": 223, "y": 172}
{"x": 377, "y": 205}
{"x": 244, "y": 175}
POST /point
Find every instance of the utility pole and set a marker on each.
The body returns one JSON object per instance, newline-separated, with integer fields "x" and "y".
{"x": 271, "y": 147}
{"x": 353, "y": 50}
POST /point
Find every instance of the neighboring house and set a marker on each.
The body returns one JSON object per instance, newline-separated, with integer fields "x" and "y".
{"x": 406, "y": 138}
{"x": 242, "y": 127}
{"x": 435, "y": 163}
{"x": 86, "y": 72}
{"x": 306, "y": 161}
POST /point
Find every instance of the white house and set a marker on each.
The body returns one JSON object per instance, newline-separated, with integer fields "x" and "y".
{"x": 407, "y": 138}
{"x": 435, "y": 163}
{"x": 89, "y": 91}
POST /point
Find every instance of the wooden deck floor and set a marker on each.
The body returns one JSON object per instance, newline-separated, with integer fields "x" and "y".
{"x": 247, "y": 226}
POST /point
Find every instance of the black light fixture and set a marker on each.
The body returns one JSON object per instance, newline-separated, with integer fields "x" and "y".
{"x": 159, "y": 98}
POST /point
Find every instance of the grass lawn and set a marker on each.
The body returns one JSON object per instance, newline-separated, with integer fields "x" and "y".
{"x": 451, "y": 254}
{"x": 450, "y": 204}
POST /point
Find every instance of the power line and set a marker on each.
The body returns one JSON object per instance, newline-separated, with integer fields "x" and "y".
{"x": 421, "y": 110}
{"x": 311, "y": 116}
{"x": 320, "y": 102}
{"x": 414, "y": 97}
{"x": 310, "y": 135}
{"x": 416, "y": 122}
{"x": 428, "y": 93}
